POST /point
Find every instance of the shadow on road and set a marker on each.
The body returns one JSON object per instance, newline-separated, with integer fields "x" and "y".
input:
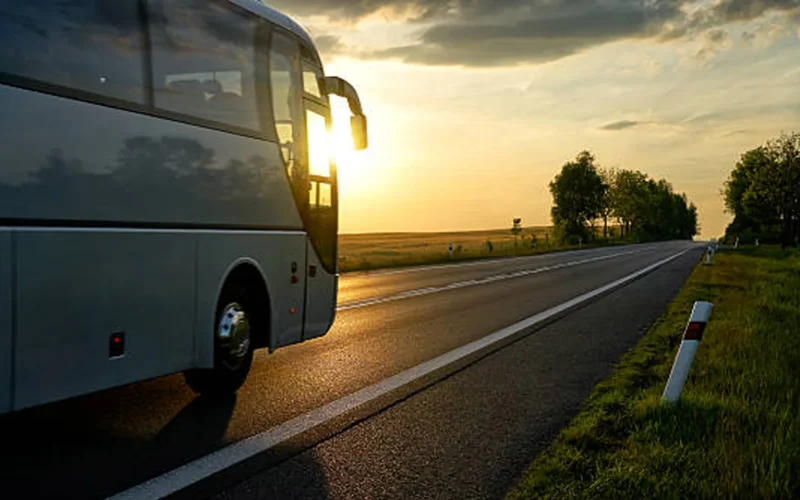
{"x": 196, "y": 428}
{"x": 301, "y": 477}
{"x": 73, "y": 449}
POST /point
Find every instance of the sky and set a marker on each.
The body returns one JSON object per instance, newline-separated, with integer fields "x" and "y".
{"x": 474, "y": 105}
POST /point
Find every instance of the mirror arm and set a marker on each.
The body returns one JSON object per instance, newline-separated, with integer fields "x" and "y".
{"x": 339, "y": 86}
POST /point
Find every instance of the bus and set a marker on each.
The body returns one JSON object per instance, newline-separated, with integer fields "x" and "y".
{"x": 168, "y": 202}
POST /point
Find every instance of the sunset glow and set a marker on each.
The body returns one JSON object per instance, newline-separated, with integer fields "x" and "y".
{"x": 353, "y": 166}
{"x": 473, "y": 108}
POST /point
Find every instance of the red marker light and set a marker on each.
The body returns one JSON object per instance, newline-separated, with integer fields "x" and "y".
{"x": 295, "y": 279}
{"x": 116, "y": 345}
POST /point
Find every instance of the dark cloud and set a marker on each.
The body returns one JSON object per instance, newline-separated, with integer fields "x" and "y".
{"x": 329, "y": 44}
{"x": 717, "y": 36}
{"x": 356, "y": 9}
{"x": 725, "y": 12}
{"x": 507, "y": 32}
{"x": 620, "y": 125}
{"x": 744, "y": 10}
{"x": 548, "y": 36}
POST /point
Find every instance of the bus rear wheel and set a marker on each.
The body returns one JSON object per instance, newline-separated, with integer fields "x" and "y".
{"x": 233, "y": 347}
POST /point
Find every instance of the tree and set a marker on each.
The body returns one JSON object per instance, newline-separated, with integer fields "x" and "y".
{"x": 778, "y": 185}
{"x": 629, "y": 199}
{"x": 763, "y": 191}
{"x": 607, "y": 207}
{"x": 753, "y": 216}
{"x": 578, "y": 192}
{"x": 648, "y": 209}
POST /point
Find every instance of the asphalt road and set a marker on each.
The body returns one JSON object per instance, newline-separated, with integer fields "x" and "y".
{"x": 469, "y": 435}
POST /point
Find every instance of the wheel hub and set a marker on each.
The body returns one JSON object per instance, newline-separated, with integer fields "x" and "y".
{"x": 233, "y": 335}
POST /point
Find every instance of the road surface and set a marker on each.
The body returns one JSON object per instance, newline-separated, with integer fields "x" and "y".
{"x": 465, "y": 431}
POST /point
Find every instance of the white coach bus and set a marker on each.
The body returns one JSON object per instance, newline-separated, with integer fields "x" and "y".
{"x": 167, "y": 200}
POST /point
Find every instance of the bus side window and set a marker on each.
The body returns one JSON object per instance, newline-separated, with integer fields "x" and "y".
{"x": 95, "y": 47}
{"x": 286, "y": 89}
{"x": 204, "y": 61}
{"x": 311, "y": 76}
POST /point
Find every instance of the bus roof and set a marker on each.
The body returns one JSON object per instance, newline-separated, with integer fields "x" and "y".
{"x": 261, "y": 9}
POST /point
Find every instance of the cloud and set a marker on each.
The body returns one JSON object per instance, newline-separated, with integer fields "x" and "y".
{"x": 715, "y": 40}
{"x": 771, "y": 29}
{"x": 329, "y": 44}
{"x": 735, "y": 133}
{"x": 717, "y": 36}
{"x": 353, "y": 10}
{"x": 704, "y": 118}
{"x": 620, "y": 125}
{"x": 745, "y": 10}
{"x": 510, "y": 32}
{"x": 544, "y": 36}
{"x": 748, "y": 36}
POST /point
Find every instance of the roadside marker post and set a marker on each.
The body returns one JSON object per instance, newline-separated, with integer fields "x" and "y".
{"x": 451, "y": 250}
{"x": 709, "y": 254}
{"x": 692, "y": 335}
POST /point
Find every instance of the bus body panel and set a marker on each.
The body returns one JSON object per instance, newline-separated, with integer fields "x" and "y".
{"x": 273, "y": 254}
{"x": 75, "y": 288}
{"x": 136, "y": 191}
{"x": 320, "y": 298}
{"x": 6, "y": 332}
{"x": 120, "y": 215}
{"x": 95, "y": 164}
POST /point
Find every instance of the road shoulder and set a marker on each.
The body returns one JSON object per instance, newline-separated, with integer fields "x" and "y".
{"x": 735, "y": 431}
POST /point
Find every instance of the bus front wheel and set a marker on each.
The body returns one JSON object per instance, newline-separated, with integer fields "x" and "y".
{"x": 233, "y": 347}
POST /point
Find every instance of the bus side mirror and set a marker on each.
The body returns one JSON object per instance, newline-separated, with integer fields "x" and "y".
{"x": 358, "y": 125}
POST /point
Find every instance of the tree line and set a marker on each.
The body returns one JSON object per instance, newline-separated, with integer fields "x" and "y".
{"x": 644, "y": 209}
{"x": 763, "y": 193}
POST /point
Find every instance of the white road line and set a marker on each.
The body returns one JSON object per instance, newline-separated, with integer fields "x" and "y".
{"x": 474, "y": 282}
{"x": 195, "y": 471}
{"x": 479, "y": 262}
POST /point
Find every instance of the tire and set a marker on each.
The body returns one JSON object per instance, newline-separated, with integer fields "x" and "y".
{"x": 233, "y": 346}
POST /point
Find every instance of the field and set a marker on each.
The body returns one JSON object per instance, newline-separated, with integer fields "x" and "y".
{"x": 378, "y": 250}
{"x": 735, "y": 433}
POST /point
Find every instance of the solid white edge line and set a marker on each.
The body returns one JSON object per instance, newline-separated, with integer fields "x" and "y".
{"x": 224, "y": 458}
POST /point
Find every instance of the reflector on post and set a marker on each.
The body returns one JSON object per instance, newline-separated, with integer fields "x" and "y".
{"x": 683, "y": 361}
{"x": 694, "y": 331}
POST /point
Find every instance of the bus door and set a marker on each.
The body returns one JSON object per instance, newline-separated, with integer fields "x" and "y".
{"x": 287, "y": 104}
{"x": 322, "y": 215}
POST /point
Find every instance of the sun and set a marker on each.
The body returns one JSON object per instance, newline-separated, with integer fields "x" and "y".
{"x": 352, "y": 165}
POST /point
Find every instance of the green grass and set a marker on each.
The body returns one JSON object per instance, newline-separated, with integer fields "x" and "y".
{"x": 736, "y": 431}
{"x": 380, "y": 250}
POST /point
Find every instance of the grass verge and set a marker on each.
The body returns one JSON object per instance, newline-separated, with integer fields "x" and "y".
{"x": 736, "y": 431}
